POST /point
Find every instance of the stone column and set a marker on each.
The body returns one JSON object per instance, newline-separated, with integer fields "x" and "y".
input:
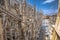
{"x": 1, "y": 29}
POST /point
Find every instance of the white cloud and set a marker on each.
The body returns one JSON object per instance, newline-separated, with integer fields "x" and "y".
{"x": 50, "y": 11}
{"x": 48, "y": 1}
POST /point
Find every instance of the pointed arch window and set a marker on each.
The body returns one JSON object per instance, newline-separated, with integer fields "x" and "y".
{"x": 1, "y": 2}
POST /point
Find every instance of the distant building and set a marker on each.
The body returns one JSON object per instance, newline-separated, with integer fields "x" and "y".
{"x": 52, "y": 19}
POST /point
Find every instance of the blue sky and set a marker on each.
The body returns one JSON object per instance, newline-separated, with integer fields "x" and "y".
{"x": 48, "y": 7}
